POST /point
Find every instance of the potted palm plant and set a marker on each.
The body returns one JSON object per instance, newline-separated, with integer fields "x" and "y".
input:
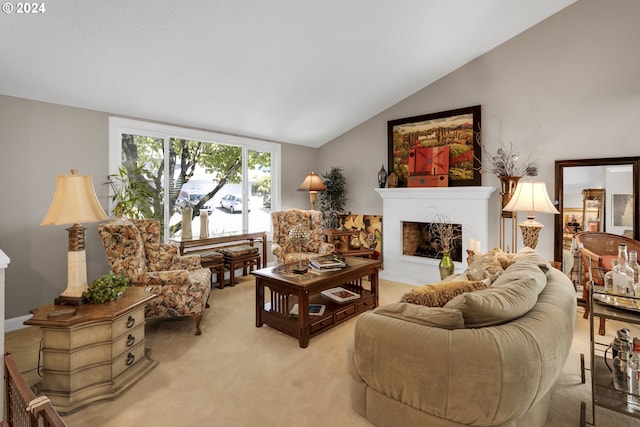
{"x": 334, "y": 198}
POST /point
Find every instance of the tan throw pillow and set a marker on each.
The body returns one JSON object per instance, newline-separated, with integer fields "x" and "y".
{"x": 438, "y": 294}
{"x": 437, "y": 317}
{"x": 489, "y": 265}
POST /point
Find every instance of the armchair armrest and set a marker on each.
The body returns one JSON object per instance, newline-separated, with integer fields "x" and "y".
{"x": 326, "y": 248}
{"x": 178, "y": 278}
{"x": 186, "y": 262}
{"x": 276, "y": 249}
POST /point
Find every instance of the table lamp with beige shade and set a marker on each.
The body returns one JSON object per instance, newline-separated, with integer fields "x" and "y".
{"x": 312, "y": 183}
{"x": 530, "y": 197}
{"x": 74, "y": 201}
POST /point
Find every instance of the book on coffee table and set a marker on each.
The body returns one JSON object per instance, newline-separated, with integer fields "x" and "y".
{"x": 314, "y": 310}
{"x": 339, "y": 294}
{"x": 326, "y": 262}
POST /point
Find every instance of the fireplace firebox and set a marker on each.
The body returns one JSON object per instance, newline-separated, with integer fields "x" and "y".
{"x": 419, "y": 240}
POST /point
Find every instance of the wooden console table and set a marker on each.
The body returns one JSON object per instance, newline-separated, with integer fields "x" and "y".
{"x": 95, "y": 353}
{"x": 201, "y": 244}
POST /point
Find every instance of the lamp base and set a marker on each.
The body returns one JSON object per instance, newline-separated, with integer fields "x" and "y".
{"x": 530, "y": 232}
{"x": 64, "y": 300}
{"x": 299, "y": 270}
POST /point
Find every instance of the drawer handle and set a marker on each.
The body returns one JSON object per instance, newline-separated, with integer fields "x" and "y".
{"x": 130, "y": 340}
{"x": 130, "y": 322}
{"x": 130, "y": 359}
{"x": 366, "y": 303}
{"x": 322, "y": 323}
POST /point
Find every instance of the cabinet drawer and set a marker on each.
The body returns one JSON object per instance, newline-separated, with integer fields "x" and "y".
{"x": 128, "y": 321}
{"x": 127, "y": 359}
{"x": 127, "y": 340}
{"x": 365, "y": 304}
{"x": 321, "y": 324}
{"x": 344, "y": 313}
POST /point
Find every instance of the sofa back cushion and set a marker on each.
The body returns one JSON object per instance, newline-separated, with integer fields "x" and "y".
{"x": 511, "y": 295}
{"x": 445, "y": 318}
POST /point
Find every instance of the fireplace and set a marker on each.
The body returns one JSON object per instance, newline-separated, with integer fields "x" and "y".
{"x": 465, "y": 206}
{"x": 419, "y": 239}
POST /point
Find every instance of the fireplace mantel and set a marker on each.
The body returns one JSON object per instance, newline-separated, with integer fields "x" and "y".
{"x": 468, "y": 206}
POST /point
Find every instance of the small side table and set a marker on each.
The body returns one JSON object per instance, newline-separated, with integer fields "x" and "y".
{"x": 341, "y": 238}
{"x": 92, "y": 352}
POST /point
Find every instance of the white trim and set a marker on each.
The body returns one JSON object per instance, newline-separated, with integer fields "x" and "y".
{"x": 120, "y": 125}
{"x": 4, "y": 260}
{"x": 16, "y": 323}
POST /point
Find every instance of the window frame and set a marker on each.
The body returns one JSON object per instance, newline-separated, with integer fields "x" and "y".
{"x": 119, "y": 126}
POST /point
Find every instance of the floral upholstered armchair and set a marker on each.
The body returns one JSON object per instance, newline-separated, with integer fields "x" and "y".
{"x": 283, "y": 249}
{"x": 134, "y": 250}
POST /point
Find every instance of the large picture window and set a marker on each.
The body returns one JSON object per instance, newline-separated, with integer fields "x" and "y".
{"x": 234, "y": 179}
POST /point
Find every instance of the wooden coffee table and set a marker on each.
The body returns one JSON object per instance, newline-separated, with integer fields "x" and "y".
{"x": 287, "y": 289}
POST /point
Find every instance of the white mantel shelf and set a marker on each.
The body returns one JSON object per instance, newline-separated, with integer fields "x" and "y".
{"x": 468, "y": 206}
{"x": 482, "y": 193}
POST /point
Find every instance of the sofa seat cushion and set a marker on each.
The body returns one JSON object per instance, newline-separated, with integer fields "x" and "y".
{"x": 438, "y": 294}
{"x": 438, "y": 317}
{"x": 512, "y": 295}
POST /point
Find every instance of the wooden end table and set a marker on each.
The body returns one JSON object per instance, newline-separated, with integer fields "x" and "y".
{"x": 287, "y": 289}
{"x": 92, "y": 352}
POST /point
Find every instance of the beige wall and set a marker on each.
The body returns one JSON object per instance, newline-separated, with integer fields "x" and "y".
{"x": 40, "y": 141}
{"x": 567, "y": 88}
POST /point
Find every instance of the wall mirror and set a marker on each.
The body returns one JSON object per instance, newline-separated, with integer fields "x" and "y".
{"x": 596, "y": 195}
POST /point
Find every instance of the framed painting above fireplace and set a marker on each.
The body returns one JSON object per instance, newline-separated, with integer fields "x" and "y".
{"x": 436, "y": 150}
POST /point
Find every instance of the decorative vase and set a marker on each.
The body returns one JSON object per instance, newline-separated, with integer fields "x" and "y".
{"x": 355, "y": 242}
{"x": 204, "y": 223}
{"x": 187, "y": 216}
{"x": 382, "y": 177}
{"x": 507, "y": 188}
{"x": 446, "y": 266}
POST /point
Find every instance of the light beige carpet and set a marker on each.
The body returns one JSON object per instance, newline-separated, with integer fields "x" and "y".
{"x": 235, "y": 374}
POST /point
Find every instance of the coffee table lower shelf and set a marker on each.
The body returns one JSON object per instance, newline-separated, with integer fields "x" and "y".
{"x": 333, "y": 315}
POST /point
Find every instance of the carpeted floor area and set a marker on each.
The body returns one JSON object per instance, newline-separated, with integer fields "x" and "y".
{"x": 235, "y": 374}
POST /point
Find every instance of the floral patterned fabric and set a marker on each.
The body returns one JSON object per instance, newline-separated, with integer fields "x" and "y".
{"x": 133, "y": 249}
{"x": 283, "y": 249}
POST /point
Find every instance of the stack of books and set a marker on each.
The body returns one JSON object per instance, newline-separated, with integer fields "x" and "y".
{"x": 327, "y": 263}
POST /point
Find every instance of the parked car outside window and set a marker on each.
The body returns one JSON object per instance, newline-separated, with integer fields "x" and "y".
{"x": 232, "y": 203}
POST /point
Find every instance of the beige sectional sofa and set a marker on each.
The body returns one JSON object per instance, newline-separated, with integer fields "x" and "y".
{"x": 486, "y": 358}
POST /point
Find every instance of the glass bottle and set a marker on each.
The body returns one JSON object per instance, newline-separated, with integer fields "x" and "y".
{"x": 633, "y": 376}
{"x": 633, "y": 263}
{"x": 622, "y": 274}
{"x": 608, "y": 277}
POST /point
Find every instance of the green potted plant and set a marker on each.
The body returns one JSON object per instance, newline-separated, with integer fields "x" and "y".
{"x": 106, "y": 288}
{"x": 334, "y": 198}
{"x": 132, "y": 194}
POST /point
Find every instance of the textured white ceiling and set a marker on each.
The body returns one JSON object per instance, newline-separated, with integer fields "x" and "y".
{"x": 295, "y": 71}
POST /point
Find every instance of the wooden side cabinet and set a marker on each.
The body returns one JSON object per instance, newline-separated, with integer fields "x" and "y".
{"x": 94, "y": 353}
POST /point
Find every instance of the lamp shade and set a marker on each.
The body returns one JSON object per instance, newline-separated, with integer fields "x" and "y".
{"x": 74, "y": 201}
{"x": 530, "y": 196}
{"x": 312, "y": 182}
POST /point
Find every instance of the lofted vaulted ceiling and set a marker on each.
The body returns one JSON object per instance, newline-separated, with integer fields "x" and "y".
{"x": 295, "y": 71}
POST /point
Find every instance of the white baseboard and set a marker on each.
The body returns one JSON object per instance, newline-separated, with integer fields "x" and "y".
{"x": 16, "y": 323}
